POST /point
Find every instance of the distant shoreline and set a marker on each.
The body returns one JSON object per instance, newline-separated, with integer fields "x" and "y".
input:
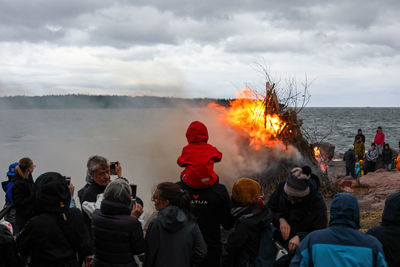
{"x": 116, "y": 102}
{"x": 102, "y": 102}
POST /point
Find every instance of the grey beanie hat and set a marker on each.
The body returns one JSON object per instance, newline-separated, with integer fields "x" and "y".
{"x": 297, "y": 184}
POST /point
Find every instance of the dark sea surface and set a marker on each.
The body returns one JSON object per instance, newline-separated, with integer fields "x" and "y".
{"x": 339, "y": 126}
{"x": 148, "y": 141}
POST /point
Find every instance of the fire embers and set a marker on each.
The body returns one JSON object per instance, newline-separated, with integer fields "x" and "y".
{"x": 319, "y": 158}
{"x": 248, "y": 113}
{"x": 323, "y": 153}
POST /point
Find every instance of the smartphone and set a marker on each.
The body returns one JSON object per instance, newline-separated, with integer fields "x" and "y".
{"x": 113, "y": 166}
{"x": 68, "y": 180}
{"x": 133, "y": 188}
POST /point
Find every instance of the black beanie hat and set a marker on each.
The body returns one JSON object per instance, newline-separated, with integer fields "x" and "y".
{"x": 297, "y": 184}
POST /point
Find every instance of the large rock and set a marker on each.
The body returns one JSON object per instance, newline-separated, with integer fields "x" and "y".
{"x": 382, "y": 184}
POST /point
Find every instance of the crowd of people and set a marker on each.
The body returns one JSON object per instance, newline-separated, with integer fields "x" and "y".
{"x": 196, "y": 221}
{"x": 360, "y": 162}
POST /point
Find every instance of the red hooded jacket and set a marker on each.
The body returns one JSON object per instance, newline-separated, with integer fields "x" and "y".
{"x": 379, "y": 138}
{"x": 198, "y": 158}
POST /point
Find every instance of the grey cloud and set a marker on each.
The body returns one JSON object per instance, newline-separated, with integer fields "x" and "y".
{"x": 125, "y": 27}
{"x": 124, "y": 23}
{"x": 266, "y": 44}
{"x": 22, "y": 33}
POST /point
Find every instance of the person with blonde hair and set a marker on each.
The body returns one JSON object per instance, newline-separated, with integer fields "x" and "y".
{"x": 23, "y": 192}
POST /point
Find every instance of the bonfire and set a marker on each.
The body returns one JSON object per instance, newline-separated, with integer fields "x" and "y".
{"x": 268, "y": 125}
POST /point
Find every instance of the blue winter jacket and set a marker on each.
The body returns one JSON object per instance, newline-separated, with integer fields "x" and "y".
{"x": 341, "y": 244}
{"x": 7, "y": 187}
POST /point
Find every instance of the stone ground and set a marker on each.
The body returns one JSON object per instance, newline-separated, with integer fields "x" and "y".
{"x": 371, "y": 193}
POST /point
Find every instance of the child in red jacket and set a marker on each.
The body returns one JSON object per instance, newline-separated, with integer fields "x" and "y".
{"x": 198, "y": 158}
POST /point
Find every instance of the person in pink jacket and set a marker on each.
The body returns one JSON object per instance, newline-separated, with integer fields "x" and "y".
{"x": 379, "y": 140}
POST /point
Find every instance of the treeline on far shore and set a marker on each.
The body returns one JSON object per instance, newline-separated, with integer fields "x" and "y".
{"x": 101, "y": 101}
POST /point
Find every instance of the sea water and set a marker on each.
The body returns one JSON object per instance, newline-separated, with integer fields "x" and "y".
{"x": 148, "y": 141}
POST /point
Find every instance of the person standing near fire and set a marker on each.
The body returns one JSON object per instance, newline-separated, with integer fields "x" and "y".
{"x": 210, "y": 199}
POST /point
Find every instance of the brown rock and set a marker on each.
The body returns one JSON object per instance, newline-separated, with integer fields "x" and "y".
{"x": 382, "y": 184}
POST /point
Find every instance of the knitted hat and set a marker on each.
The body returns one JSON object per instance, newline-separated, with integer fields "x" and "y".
{"x": 246, "y": 191}
{"x": 351, "y": 147}
{"x": 297, "y": 184}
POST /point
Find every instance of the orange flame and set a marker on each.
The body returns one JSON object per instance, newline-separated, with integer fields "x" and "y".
{"x": 246, "y": 113}
{"x": 321, "y": 161}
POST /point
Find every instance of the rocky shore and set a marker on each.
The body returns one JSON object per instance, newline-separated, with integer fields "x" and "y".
{"x": 371, "y": 190}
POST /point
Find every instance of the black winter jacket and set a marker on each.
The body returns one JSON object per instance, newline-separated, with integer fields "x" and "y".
{"x": 350, "y": 158}
{"x": 173, "y": 240}
{"x": 23, "y": 195}
{"x": 244, "y": 241}
{"x": 212, "y": 208}
{"x": 8, "y": 250}
{"x": 303, "y": 217}
{"x": 55, "y": 236}
{"x": 117, "y": 235}
{"x": 389, "y": 232}
{"x": 90, "y": 195}
{"x": 387, "y": 156}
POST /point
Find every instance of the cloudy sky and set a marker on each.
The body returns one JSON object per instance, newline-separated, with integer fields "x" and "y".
{"x": 349, "y": 50}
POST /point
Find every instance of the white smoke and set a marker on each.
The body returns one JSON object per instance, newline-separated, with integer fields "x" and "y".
{"x": 147, "y": 142}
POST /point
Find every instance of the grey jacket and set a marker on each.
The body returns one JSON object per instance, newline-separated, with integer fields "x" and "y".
{"x": 173, "y": 240}
{"x": 372, "y": 155}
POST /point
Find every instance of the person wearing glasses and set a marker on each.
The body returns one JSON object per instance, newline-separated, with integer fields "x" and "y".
{"x": 173, "y": 237}
{"x": 297, "y": 208}
{"x": 23, "y": 192}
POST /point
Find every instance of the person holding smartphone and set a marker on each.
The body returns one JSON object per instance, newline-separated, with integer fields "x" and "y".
{"x": 100, "y": 171}
{"x": 117, "y": 232}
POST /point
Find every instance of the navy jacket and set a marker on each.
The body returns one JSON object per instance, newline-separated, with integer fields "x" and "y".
{"x": 341, "y": 244}
{"x": 117, "y": 235}
{"x": 389, "y": 232}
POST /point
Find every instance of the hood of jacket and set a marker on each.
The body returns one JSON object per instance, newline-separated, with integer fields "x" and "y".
{"x": 391, "y": 212}
{"x": 172, "y": 218}
{"x": 345, "y": 211}
{"x": 52, "y": 193}
{"x": 253, "y": 214}
{"x": 197, "y": 132}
